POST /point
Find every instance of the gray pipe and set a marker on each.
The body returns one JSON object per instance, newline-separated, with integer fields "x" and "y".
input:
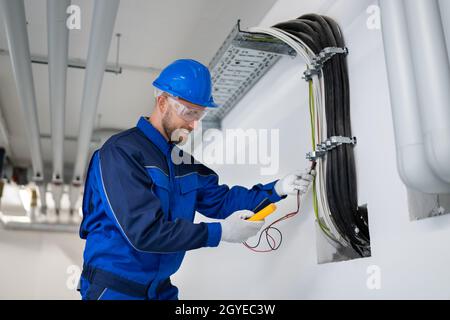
{"x": 444, "y": 6}
{"x": 105, "y": 12}
{"x": 5, "y": 137}
{"x": 58, "y": 50}
{"x": 16, "y": 32}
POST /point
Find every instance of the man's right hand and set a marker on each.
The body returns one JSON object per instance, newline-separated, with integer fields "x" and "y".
{"x": 237, "y": 230}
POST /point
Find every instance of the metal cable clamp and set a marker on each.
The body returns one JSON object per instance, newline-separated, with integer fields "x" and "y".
{"x": 328, "y": 145}
{"x": 319, "y": 60}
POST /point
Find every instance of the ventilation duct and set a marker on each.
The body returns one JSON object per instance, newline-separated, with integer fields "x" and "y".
{"x": 412, "y": 159}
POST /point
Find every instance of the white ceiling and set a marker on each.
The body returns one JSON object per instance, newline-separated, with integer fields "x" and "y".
{"x": 154, "y": 33}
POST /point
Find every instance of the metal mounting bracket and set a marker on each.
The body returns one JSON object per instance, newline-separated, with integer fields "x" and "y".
{"x": 328, "y": 145}
{"x": 318, "y": 61}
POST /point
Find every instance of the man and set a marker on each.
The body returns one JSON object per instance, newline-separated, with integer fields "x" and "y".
{"x": 138, "y": 206}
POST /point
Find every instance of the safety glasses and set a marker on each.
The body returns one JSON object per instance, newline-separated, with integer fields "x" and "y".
{"x": 188, "y": 114}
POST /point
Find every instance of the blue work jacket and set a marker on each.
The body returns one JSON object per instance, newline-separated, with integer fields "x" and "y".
{"x": 139, "y": 206}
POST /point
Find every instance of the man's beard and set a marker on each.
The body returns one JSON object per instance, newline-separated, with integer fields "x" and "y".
{"x": 176, "y": 135}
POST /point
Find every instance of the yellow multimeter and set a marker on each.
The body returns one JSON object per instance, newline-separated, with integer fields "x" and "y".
{"x": 260, "y": 215}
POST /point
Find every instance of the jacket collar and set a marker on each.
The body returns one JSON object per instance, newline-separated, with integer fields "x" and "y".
{"x": 154, "y": 135}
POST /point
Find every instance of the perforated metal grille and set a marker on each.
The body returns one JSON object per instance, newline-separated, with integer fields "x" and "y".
{"x": 234, "y": 75}
{"x": 238, "y": 65}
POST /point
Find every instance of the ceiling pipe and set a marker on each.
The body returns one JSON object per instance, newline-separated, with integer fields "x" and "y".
{"x": 17, "y": 35}
{"x": 412, "y": 164}
{"x": 105, "y": 12}
{"x": 103, "y": 19}
{"x": 5, "y": 136}
{"x": 58, "y": 52}
{"x": 432, "y": 71}
{"x": 444, "y": 6}
{"x": 76, "y": 63}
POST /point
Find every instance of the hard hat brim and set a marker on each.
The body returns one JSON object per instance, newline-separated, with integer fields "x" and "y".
{"x": 209, "y": 104}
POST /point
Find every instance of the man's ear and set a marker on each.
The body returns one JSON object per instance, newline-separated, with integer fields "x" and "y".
{"x": 162, "y": 104}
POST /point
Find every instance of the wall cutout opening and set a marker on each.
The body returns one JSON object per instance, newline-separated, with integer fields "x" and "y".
{"x": 331, "y": 251}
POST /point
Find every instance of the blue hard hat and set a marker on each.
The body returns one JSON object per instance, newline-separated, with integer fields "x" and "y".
{"x": 187, "y": 79}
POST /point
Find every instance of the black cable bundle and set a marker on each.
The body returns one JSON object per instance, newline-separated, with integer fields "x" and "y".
{"x": 319, "y": 32}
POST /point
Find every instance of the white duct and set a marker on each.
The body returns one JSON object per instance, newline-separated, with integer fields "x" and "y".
{"x": 432, "y": 74}
{"x": 105, "y": 12}
{"x": 58, "y": 51}
{"x": 412, "y": 164}
{"x": 17, "y": 35}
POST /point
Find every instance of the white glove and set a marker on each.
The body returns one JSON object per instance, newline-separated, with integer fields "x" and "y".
{"x": 297, "y": 181}
{"x": 236, "y": 229}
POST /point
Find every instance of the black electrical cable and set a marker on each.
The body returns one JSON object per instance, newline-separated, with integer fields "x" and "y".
{"x": 319, "y": 32}
{"x": 360, "y": 219}
{"x": 302, "y": 31}
{"x": 334, "y": 124}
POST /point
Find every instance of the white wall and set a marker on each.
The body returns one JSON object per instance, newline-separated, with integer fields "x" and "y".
{"x": 35, "y": 265}
{"x": 413, "y": 256}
